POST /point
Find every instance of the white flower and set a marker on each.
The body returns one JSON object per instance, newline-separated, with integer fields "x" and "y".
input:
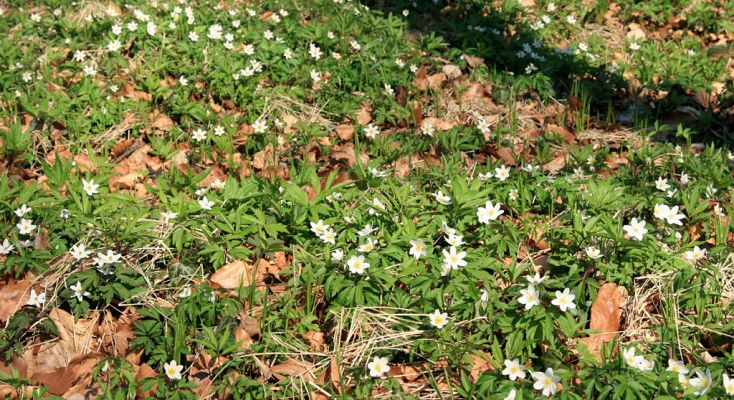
{"x": 529, "y": 297}
{"x": 512, "y": 194}
{"x": 183, "y": 81}
{"x": 114, "y": 46}
{"x": 442, "y": 198}
{"x": 193, "y": 36}
{"x": 24, "y": 209}
{"x": 215, "y": 32}
{"x": 438, "y": 319}
{"x": 454, "y": 240}
{"x": 695, "y": 255}
{"x": 79, "y": 291}
{"x": 337, "y": 255}
{"x": 287, "y": 54}
{"x": 417, "y": 248}
{"x": 717, "y": 211}
{"x": 168, "y": 216}
{"x": 636, "y": 361}
{"x": 25, "y": 226}
{"x": 634, "y": 46}
{"x": 728, "y": 384}
{"x": 644, "y": 364}
{"x": 132, "y": 26}
{"x": 452, "y": 259}
{"x": 205, "y": 203}
{"x": 571, "y": 20}
{"x": 218, "y": 130}
{"x": 428, "y": 129}
{"x": 366, "y": 231}
{"x": 89, "y": 70}
{"x": 660, "y": 211}
{"x": 702, "y": 382}
{"x": 36, "y": 299}
{"x": 355, "y": 45}
{"x": 329, "y": 236}
{"x": 314, "y": 51}
{"x": 636, "y": 229}
{"x": 513, "y": 369}
{"x": 535, "y": 279}
{"x": 483, "y": 125}
{"x": 198, "y": 135}
{"x": 185, "y": 292}
{"x": 564, "y": 300}
{"x": 592, "y": 252}
{"x": 371, "y": 131}
{"x": 677, "y": 366}
{"x": 378, "y": 366}
{"x": 546, "y": 381}
{"x": 110, "y": 257}
{"x": 368, "y": 246}
{"x": 684, "y": 179}
{"x": 173, "y": 370}
{"x": 357, "y": 265}
{"x": 151, "y": 28}
{"x": 502, "y": 172}
{"x": 260, "y": 125}
{"x": 318, "y": 228}
{"x": 489, "y": 212}
{"x": 511, "y": 396}
{"x": 662, "y": 184}
{"x": 6, "y": 247}
{"x": 90, "y": 187}
{"x": 79, "y": 251}
{"x": 673, "y": 217}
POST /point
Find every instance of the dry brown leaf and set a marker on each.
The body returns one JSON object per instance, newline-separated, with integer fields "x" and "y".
{"x": 295, "y": 369}
{"x": 479, "y": 365}
{"x": 440, "y": 123}
{"x": 345, "y": 152}
{"x": 473, "y": 61}
{"x": 13, "y": 296}
{"x": 238, "y": 273}
{"x": 76, "y": 338}
{"x": 364, "y": 115}
{"x": 345, "y": 132}
{"x": 161, "y": 122}
{"x": 60, "y": 380}
{"x": 144, "y": 372}
{"x": 556, "y": 164}
{"x": 606, "y": 314}
{"x": 264, "y": 158}
{"x": 315, "y": 340}
{"x": 121, "y": 147}
{"x": 451, "y": 71}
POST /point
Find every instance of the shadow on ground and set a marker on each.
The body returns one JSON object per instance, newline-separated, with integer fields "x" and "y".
{"x": 522, "y": 64}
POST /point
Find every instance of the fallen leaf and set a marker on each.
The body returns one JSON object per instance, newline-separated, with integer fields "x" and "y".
{"x": 161, "y": 122}
{"x": 13, "y": 296}
{"x": 345, "y": 132}
{"x": 451, "y": 71}
{"x": 264, "y": 158}
{"x": 76, "y": 338}
{"x": 61, "y": 380}
{"x": 315, "y": 340}
{"x": 473, "y": 61}
{"x": 238, "y": 273}
{"x": 294, "y": 369}
{"x": 606, "y": 314}
{"x": 364, "y": 115}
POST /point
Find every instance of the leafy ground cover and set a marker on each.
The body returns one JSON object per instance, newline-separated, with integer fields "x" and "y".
{"x": 333, "y": 199}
